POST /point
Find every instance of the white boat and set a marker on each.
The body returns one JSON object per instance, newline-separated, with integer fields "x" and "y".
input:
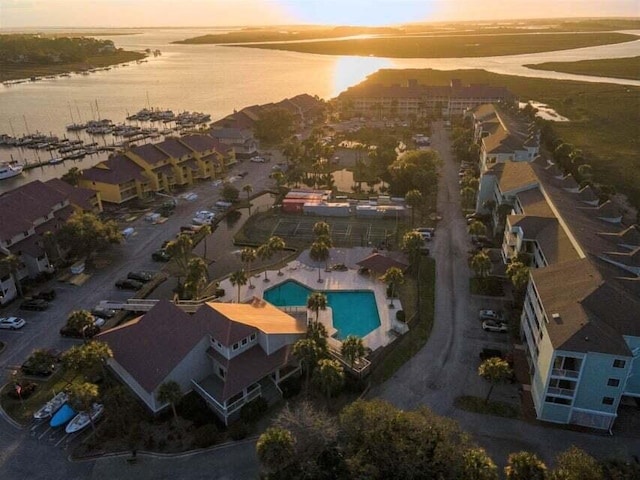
{"x": 52, "y": 406}
{"x": 83, "y": 419}
{"x": 56, "y": 160}
{"x": 8, "y": 171}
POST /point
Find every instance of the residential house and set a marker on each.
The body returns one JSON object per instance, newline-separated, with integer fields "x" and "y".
{"x": 118, "y": 179}
{"x": 81, "y": 199}
{"x": 240, "y": 140}
{"x": 228, "y": 353}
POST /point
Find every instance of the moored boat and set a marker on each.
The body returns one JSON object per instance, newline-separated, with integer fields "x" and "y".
{"x": 62, "y": 416}
{"x": 56, "y": 160}
{"x": 52, "y": 406}
{"x": 8, "y": 170}
{"x": 83, "y": 419}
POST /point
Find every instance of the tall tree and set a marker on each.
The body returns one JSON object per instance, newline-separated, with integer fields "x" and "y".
{"x": 329, "y": 376}
{"x": 248, "y": 256}
{"x": 317, "y": 301}
{"x": 306, "y": 350}
{"x": 274, "y": 126}
{"x": 321, "y": 229}
{"x": 525, "y": 466}
{"x": 238, "y": 279}
{"x": 518, "y": 273}
{"x": 230, "y": 193}
{"x": 495, "y": 371}
{"x": 171, "y": 393}
{"x": 481, "y": 264}
{"x": 414, "y": 199}
{"x": 205, "y": 231}
{"x": 415, "y": 169}
{"x": 352, "y": 349}
{"x": 477, "y": 228}
{"x": 576, "y": 464}
{"x": 477, "y": 465}
{"x": 317, "y": 332}
{"x": 248, "y": 189}
{"x": 319, "y": 252}
{"x": 83, "y": 396}
{"x": 276, "y": 244}
{"x": 276, "y": 449}
{"x": 80, "y": 321}
{"x": 468, "y": 196}
{"x": 393, "y": 277}
{"x": 88, "y": 359}
{"x": 412, "y": 244}
{"x": 197, "y": 278}
{"x": 73, "y": 176}
{"x": 265, "y": 253}
{"x": 83, "y": 234}
{"x": 180, "y": 252}
{"x": 12, "y": 264}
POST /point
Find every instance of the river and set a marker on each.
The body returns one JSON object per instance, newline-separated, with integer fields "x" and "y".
{"x": 218, "y": 79}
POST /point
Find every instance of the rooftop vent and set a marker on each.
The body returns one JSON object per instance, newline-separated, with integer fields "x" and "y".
{"x": 555, "y": 316}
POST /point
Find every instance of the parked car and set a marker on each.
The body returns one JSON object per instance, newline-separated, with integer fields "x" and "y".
{"x": 48, "y": 295}
{"x": 36, "y": 304}
{"x": 143, "y": 277}
{"x": 128, "y": 284}
{"x": 257, "y": 159}
{"x": 495, "y": 326}
{"x": 160, "y": 256}
{"x": 427, "y": 236}
{"x": 429, "y": 230}
{"x": 105, "y": 313}
{"x": 490, "y": 315}
{"x": 11, "y": 323}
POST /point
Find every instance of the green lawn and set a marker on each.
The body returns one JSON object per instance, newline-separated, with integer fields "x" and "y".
{"x": 454, "y": 46}
{"x": 10, "y": 71}
{"x": 478, "y": 405}
{"x": 605, "y": 118}
{"x": 609, "y": 67}
{"x": 400, "y": 351}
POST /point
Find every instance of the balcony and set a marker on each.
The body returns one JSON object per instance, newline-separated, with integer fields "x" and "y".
{"x": 564, "y": 392}
{"x": 557, "y": 372}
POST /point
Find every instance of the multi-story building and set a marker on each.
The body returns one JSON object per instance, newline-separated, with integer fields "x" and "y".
{"x": 26, "y": 214}
{"x": 414, "y": 99}
{"x": 580, "y": 323}
{"x": 228, "y": 353}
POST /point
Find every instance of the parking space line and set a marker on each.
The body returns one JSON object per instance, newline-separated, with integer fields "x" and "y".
{"x": 273, "y": 231}
{"x": 60, "y": 441}
{"x": 44, "y": 433}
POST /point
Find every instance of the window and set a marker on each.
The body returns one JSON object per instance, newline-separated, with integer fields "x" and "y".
{"x": 619, "y": 363}
{"x": 236, "y": 346}
{"x": 558, "y": 400}
{"x": 222, "y": 372}
{"x": 613, "y": 382}
{"x": 245, "y": 341}
{"x": 253, "y": 337}
{"x": 607, "y": 401}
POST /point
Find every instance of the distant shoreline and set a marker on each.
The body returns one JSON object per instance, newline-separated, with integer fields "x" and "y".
{"x": 626, "y": 68}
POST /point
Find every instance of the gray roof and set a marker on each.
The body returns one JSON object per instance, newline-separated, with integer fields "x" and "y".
{"x": 150, "y": 153}
{"x": 116, "y": 170}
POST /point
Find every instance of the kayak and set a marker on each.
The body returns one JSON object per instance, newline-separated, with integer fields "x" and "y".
{"x": 62, "y": 416}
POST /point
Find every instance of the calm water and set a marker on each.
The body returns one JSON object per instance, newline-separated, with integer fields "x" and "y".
{"x": 354, "y": 312}
{"x": 217, "y": 80}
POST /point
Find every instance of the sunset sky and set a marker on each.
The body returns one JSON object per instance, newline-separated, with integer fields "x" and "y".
{"x": 152, "y": 13}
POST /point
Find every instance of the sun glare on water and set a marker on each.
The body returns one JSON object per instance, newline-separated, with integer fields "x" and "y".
{"x": 358, "y": 12}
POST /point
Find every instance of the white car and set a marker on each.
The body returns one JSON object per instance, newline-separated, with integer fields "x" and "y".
{"x": 493, "y": 326}
{"x": 257, "y": 160}
{"x": 98, "y": 322}
{"x": 490, "y": 315}
{"x": 12, "y": 323}
{"x": 216, "y": 183}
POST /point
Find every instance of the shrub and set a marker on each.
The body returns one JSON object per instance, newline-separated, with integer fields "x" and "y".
{"x": 400, "y": 316}
{"x": 238, "y": 431}
{"x": 254, "y": 410}
{"x": 27, "y": 390}
{"x": 192, "y": 407}
{"x": 205, "y": 436}
{"x": 291, "y": 386}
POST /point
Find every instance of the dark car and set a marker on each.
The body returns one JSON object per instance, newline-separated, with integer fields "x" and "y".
{"x": 128, "y": 284}
{"x": 160, "y": 256}
{"x": 45, "y": 295}
{"x": 88, "y": 332}
{"x": 143, "y": 277}
{"x": 34, "y": 304}
{"x": 105, "y": 313}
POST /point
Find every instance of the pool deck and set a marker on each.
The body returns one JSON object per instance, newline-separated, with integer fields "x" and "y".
{"x": 305, "y": 271}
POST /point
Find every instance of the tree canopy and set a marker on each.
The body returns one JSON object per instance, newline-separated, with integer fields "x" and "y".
{"x": 84, "y": 234}
{"x": 274, "y": 126}
{"x": 415, "y": 170}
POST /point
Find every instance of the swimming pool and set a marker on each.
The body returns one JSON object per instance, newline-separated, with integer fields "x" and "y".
{"x": 354, "y": 311}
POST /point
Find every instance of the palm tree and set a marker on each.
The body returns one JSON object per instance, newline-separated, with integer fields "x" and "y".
{"x": 248, "y": 189}
{"x": 317, "y": 332}
{"x": 352, "y": 349}
{"x": 180, "y": 252}
{"x": 248, "y": 256}
{"x": 321, "y": 228}
{"x": 276, "y": 448}
{"x": 481, "y": 264}
{"x": 468, "y": 195}
{"x": 414, "y": 199}
{"x": 306, "y": 350}
{"x": 518, "y": 273}
{"x": 330, "y": 376}
{"x": 12, "y": 264}
{"x": 83, "y": 395}
{"x": 319, "y": 252}
{"x": 477, "y": 465}
{"x": 317, "y": 301}
{"x": 238, "y": 279}
{"x": 197, "y": 278}
{"x": 79, "y": 321}
{"x": 170, "y": 392}
{"x": 413, "y": 243}
{"x": 496, "y": 371}
{"x": 264, "y": 253}
{"x": 276, "y": 244}
{"x": 393, "y": 277}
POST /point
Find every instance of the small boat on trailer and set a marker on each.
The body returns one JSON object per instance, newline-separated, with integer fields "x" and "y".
{"x": 62, "y": 416}
{"x": 83, "y": 419}
{"x": 52, "y": 406}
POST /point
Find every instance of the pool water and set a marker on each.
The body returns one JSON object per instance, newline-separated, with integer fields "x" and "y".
{"x": 354, "y": 311}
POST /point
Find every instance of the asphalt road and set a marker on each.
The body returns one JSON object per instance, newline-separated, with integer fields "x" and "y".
{"x": 23, "y": 455}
